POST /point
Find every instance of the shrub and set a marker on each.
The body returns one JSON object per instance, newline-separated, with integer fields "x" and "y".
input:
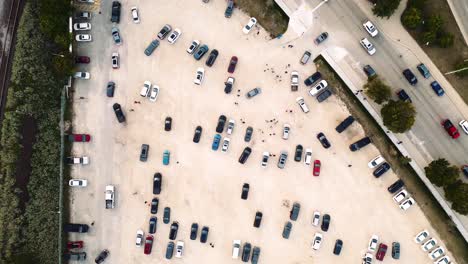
{"x": 398, "y": 116}
{"x": 412, "y": 18}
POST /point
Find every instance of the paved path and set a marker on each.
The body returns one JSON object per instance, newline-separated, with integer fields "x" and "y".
{"x": 460, "y": 12}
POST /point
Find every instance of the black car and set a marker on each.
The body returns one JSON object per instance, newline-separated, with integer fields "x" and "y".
{"x": 338, "y": 246}
{"x": 102, "y": 256}
{"x": 157, "y": 181}
{"x": 298, "y": 153}
{"x": 168, "y": 123}
{"x": 258, "y": 219}
{"x": 383, "y": 168}
{"x": 344, "y": 124}
{"x": 221, "y": 123}
{"x": 287, "y": 230}
{"x": 167, "y": 215}
{"x": 255, "y": 255}
{"x": 245, "y": 155}
{"x": 248, "y": 134}
{"x": 403, "y": 96}
{"x": 325, "y": 222}
{"x": 173, "y": 232}
{"x": 110, "y": 89}
{"x": 410, "y": 77}
{"x": 229, "y": 9}
{"x": 154, "y": 205}
{"x": 152, "y": 225}
{"x": 170, "y": 250}
{"x": 197, "y": 135}
{"x": 212, "y": 58}
{"x": 323, "y": 140}
{"x": 76, "y": 228}
{"x": 396, "y": 186}
{"x": 194, "y": 231}
{"x": 312, "y": 79}
{"x": 118, "y": 113}
{"x": 115, "y": 14}
{"x": 360, "y": 144}
{"x": 246, "y": 252}
{"x": 144, "y": 152}
{"x": 204, "y": 234}
{"x": 245, "y": 191}
{"x": 164, "y": 31}
{"x": 323, "y": 95}
{"x": 369, "y": 71}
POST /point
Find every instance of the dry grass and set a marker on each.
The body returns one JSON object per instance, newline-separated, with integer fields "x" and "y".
{"x": 268, "y": 14}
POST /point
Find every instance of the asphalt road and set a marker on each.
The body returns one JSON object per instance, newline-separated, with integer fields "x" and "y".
{"x": 343, "y": 19}
{"x": 460, "y": 12}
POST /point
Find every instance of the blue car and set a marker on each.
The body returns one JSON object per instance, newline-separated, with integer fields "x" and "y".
{"x": 166, "y": 157}
{"x": 200, "y": 52}
{"x": 216, "y": 140}
{"x": 437, "y": 88}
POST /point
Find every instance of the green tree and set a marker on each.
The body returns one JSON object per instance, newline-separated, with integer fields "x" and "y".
{"x": 429, "y": 36}
{"x": 377, "y": 90}
{"x": 434, "y": 23}
{"x": 445, "y": 39}
{"x": 385, "y": 8}
{"x": 441, "y": 173}
{"x": 419, "y": 4}
{"x": 457, "y": 193}
{"x": 398, "y": 116}
{"x": 412, "y": 18}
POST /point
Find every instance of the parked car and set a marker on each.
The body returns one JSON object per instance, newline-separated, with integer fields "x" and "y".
{"x": 144, "y": 152}
{"x": 367, "y": 45}
{"x": 381, "y": 252}
{"x": 110, "y": 89}
{"x": 170, "y": 250}
{"x": 396, "y": 250}
{"x": 75, "y": 256}
{"x": 82, "y": 75}
{"x": 321, "y": 38}
{"x": 76, "y": 228}
{"x": 317, "y": 166}
{"x": 436, "y": 253}
{"x": 81, "y": 26}
{"x": 193, "y": 231}
{"x": 135, "y": 16}
{"x": 443, "y": 260}
{"x": 423, "y": 70}
{"x": 216, "y": 140}
{"x": 338, "y": 246}
{"x": 429, "y": 245}
{"x": 373, "y": 243}
{"x": 265, "y": 157}
{"x": 118, "y": 112}
{"x": 225, "y": 146}
{"x": 371, "y": 29}
{"x": 437, "y": 88}
{"x": 323, "y": 140}
{"x": 164, "y": 31}
{"x": 212, "y": 58}
{"x": 174, "y": 36}
{"x": 151, "y": 47}
{"x": 308, "y": 157}
{"x": 253, "y": 92}
{"x": 166, "y": 157}
{"x": 204, "y": 234}
{"x": 139, "y": 238}
{"x": 193, "y": 46}
{"x": 152, "y": 225}
{"x": 167, "y": 215}
{"x": 317, "y": 242}
{"x": 179, "y": 249}
{"x": 258, "y": 219}
{"x": 115, "y": 60}
{"x": 313, "y": 78}
{"x": 375, "y": 162}
{"x": 79, "y": 138}
{"x": 344, "y": 124}
{"x": 294, "y": 213}
{"x": 173, "y": 230}
{"x": 168, "y": 124}
{"x": 287, "y": 230}
{"x": 232, "y": 64}
{"x": 369, "y": 71}
{"x": 82, "y": 59}
{"x": 115, "y": 14}
{"x": 247, "y": 28}
{"x": 282, "y": 159}
{"x": 229, "y": 84}
{"x": 197, "y": 134}
{"x": 316, "y": 218}
{"x": 248, "y": 134}
{"x": 83, "y": 15}
{"x": 245, "y": 191}
{"x": 245, "y": 155}
{"x": 148, "y": 244}
{"x": 406, "y": 204}
{"x": 221, "y": 123}
{"x": 157, "y": 182}
{"x": 116, "y": 36}
{"x": 286, "y": 130}
{"x": 146, "y": 89}
{"x": 396, "y": 186}
{"x": 319, "y": 87}
{"x": 298, "y": 153}
{"x": 230, "y": 126}
{"x": 235, "y": 247}
{"x": 77, "y": 183}
{"x": 255, "y": 255}
{"x": 421, "y": 236}
{"x": 464, "y": 126}
{"x": 360, "y": 144}
{"x": 384, "y": 167}
{"x": 229, "y": 9}
{"x": 450, "y": 128}
{"x": 410, "y": 77}
{"x": 367, "y": 259}
{"x": 74, "y": 244}
{"x": 305, "y": 57}
{"x": 464, "y": 170}
{"x": 246, "y": 252}
{"x": 201, "y": 52}
{"x": 83, "y": 37}
{"x": 403, "y": 96}
{"x": 102, "y": 256}
{"x": 323, "y": 95}
{"x": 199, "y": 75}
{"x": 326, "y": 219}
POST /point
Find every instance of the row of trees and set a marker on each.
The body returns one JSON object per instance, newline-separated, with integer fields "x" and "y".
{"x": 442, "y": 174}
{"x": 430, "y": 27}
{"x": 29, "y": 234}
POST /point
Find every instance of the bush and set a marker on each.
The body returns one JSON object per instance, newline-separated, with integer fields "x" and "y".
{"x": 434, "y": 24}
{"x": 385, "y": 8}
{"x": 412, "y": 18}
{"x": 377, "y": 90}
{"x": 441, "y": 173}
{"x": 398, "y": 116}
{"x": 445, "y": 39}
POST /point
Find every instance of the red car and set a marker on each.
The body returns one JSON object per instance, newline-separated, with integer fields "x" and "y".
{"x": 148, "y": 244}
{"x": 232, "y": 64}
{"x": 450, "y": 128}
{"x": 82, "y": 59}
{"x": 74, "y": 244}
{"x": 317, "y": 166}
{"x": 381, "y": 252}
{"x": 79, "y": 138}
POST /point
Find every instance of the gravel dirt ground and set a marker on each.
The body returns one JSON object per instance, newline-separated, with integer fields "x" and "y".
{"x": 204, "y": 186}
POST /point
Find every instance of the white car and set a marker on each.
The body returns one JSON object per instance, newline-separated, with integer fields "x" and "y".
{"x": 443, "y": 260}
{"x": 365, "y": 43}
{"x": 78, "y": 183}
{"x": 464, "y": 125}
{"x": 179, "y": 249}
{"x": 286, "y": 130}
{"x": 135, "y": 16}
{"x": 429, "y": 245}
{"x": 199, "y": 76}
{"x": 193, "y": 46}
{"x": 230, "y": 126}
{"x": 308, "y": 157}
{"x": 318, "y": 88}
{"x": 86, "y": 1}
{"x": 235, "y": 248}
{"x": 407, "y": 203}
{"x": 373, "y": 243}
{"x": 174, "y": 36}
{"x": 370, "y": 28}
{"x": 317, "y": 241}
{"x": 300, "y": 101}
{"x": 115, "y": 60}
{"x": 82, "y": 26}
{"x": 82, "y": 75}
{"x": 250, "y": 25}
{"x": 421, "y": 236}
{"x": 146, "y": 89}
{"x": 375, "y": 162}
{"x": 400, "y": 196}
{"x": 367, "y": 259}
{"x": 436, "y": 253}
{"x": 83, "y": 37}
{"x": 139, "y": 238}
{"x": 316, "y": 218}
{"x": 154, "y": 93}
{"x": 265, "y": 157}
{"x": 225, "y": 144}
{"x": 77, "y": 160}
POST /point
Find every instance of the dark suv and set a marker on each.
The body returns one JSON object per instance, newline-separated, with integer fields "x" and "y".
{"x": 212, "y": 58}
{"x": 164, "y": 31}
{"x": 312, "y": 79}
{"x": 410, "y": 77}
{"x": 197, "y": 135}
{"x": 221, "y": 123}
{"x": 396, "y": 186}
{"x": 115, "y": 14}
{"x": 381, "y": 170}
{"x": 118, "y": 113}
{"x": 344, "y": 124}
{"x": 403, "y": 96}
{"x": 325, "y": 222}
{"x": 245, "y": 155}
{"x": 173, "y": 232}
{"x": 157, "y": 180}
{"x": 360, "y": 144}
{"x": 298, "y": 153}
{"x": 76, "y": 228}
{"x": 245, "y": 191}
{"x": 258, "y": 219}
{"x": 229, "y": 9}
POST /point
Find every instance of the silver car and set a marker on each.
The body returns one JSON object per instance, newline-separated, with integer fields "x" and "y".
{"x": 282, "y": 159}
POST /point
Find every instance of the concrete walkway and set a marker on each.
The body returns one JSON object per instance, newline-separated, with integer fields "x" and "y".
{"x": 460, "y": 12}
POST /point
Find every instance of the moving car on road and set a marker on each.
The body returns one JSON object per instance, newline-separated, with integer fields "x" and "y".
{"x": 450, "y": 128}
{"x": 367, "y": 45}
{"x": 371, "y": 29}
{"x": 116, "y": 36}
{"x": 410, "y": 77}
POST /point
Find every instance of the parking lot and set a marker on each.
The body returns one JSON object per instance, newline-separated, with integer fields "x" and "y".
{"x": 204, "y": 186}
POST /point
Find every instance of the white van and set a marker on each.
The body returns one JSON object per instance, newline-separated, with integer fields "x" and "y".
{"x": 235, "y": 248}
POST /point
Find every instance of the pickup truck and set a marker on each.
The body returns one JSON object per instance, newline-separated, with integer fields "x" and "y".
{"x": 77, "y": 160}
{"x": 110, "y": 203}
{"x": 294, "y": 81}
{"x": 79, "y": 138}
